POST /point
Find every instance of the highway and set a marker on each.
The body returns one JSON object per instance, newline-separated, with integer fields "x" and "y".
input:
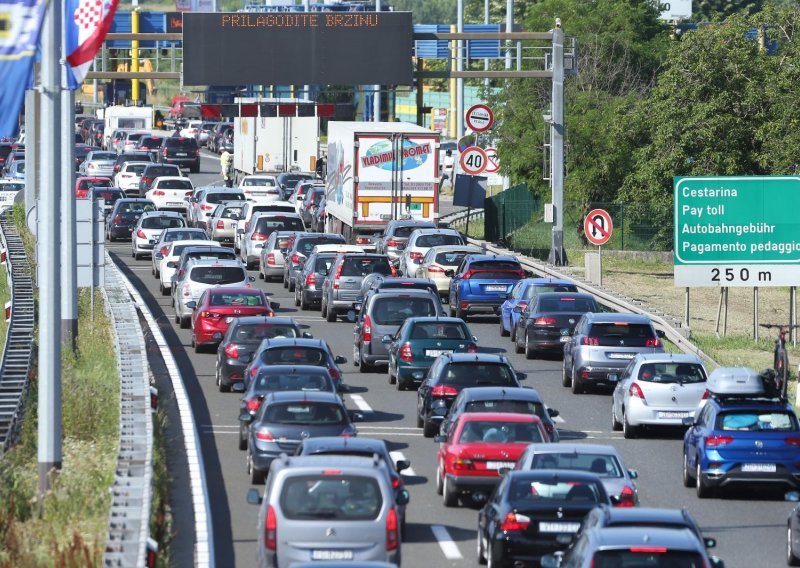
{"x": 750, "y": 530}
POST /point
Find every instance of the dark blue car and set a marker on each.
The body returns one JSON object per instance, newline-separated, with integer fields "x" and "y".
{"x": 482, "y": 282}
{"x": 521, "y": 295}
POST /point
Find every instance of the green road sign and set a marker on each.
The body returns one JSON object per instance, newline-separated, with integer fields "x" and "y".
{"x": 737, "y": 231}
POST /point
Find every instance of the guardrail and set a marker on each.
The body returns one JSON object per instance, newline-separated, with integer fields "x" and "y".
{"x": 129, "y": 518}
{"x": 672, "y": 328}
{"x": 18, "y": 349}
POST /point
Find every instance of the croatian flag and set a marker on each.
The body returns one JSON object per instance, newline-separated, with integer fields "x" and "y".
{"x": 86, "y": 23}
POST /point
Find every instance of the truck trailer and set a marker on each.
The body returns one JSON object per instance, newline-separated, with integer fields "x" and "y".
{"x": 377, "y": 172}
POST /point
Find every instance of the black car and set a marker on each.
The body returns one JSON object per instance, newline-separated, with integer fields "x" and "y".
{"x": 181, "y": 151}
{"x": 283, "y": 351}
{"x": 150, "y": 144}
{"x": 288, "y": 181}
{"x": 308, "y": 284}
{"x": 153, "y": 171}
{"x": 502, "y": 399}
{"x": 5, "y": 150}
{"x": 548, "y": 321}
{"x": 110, "y": 195}
{"x": 241, "y": 340}
{"x": 285, "y": 419}
{"x": 131, "y": 157}
{"x": 300, "y": 249}
{"x": 280, "y": 378}
{"x": 216, "y": 136}
{"x": 453, "y": 372}
{"x": 125, "y": 215}
{"x": 81, "y": 151}
{"x": 534, "y": 513}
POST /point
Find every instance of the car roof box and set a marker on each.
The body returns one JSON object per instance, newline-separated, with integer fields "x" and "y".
{"x": 735, "y": 381}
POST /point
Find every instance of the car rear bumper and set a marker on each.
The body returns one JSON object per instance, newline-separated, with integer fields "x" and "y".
{"x": 491, "y": 306}
{"x": 735, "y": 476}
{"x": 312, "y": 296}
{"x": 474, "y": 483}
{"x": 182, "y": 162}
{"x": 119, "y": 231}
{"x": 414, "y": 373}
{"x": 639, "y": 415}
{"x": 231, "y": 371}
{"x": 598, "y": 373}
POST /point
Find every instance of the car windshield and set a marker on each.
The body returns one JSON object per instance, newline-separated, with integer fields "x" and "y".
{"x": 186, "y": 235}
{"x": 474, "y": 373}
{"x": 237, "y": 299}
{"x": 647, "y": 557}
{"x": 757, "y": 421}
{"x": 438, "y": 240}
{"x": 331, "y": 496}
{"x": 496, "y": 432}
{"x": 394, "y": 311}
{"x": 294, "y": 355}
{"x": 681, "y": 373}
{"x": 505, "y": 405}
{"x": 566, "y": 304}
{"x": 556, "y": 490}
{"x": 436, "y": 330}
{"x": 305, "y": 412}
{"x": 356, "y": 266}
{"x": 218, "y": 274}
{"x": 622, "y": 333}
{"x": 259, "y": 331}
{"x": 161, "y": 222}
{"x": 450, "y": 258}
{"x": 270, "y": 382}
{"x": 532, "y": 291}
{"x": 306, "y": 245}
{"x": 220, "y": 197}
{"x": 175, "y": 184}
{"x": 602, "y": 465}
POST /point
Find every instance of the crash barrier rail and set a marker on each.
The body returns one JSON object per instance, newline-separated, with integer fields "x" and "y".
{"x": 673, "y": 329}
{"x": 18, "y": 349}
{"x": 129, "y": 518}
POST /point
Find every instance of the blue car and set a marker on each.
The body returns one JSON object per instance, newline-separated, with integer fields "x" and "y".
{"x": 521, "y": 295}
{"x": 482, "y": 282}
{"x": 741, "y": 440}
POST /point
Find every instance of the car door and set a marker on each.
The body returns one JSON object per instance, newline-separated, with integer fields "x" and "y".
{"x": 694, "y": 435}
{"x": 620, "y": 390}
{"x": 455, "y": 281}
{"x": 569, "y": 346}
{"x": 508, "y": 305}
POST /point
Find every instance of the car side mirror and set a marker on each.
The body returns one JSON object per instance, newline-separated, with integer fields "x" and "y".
{"x": 552, "y": 412}
{"x": 240, "y": 231}
{"x": 245, "y": 417}
{"x": 340, "y": 360}
{"x": 351, "y": 316}
{"x": 633, "y": 474}
{"x": 386, "y": 339}
{"x": 191, "y": 305}
{"x": 356, "y": 416}
{"x": 403, "y": 497}
{"x": 716, "y": 562}
{"x": 528, "y": 273}
{"x": 253, "y": 497}
{"x": 449, "y": 273}
{"x": 440, "y": 439}
{"x": 517, "y": 310}
{"x": 251, "y": 278}
{"x": 171, "y": 264}
{"x": 308, "y": 335}
{"x": 273, "y": 305}
{"x": 400, "y": 465}
{"x": 688, "y": 421}
{"x": 614, "y": 500}
{"x": 216, "y": 336}
{"x": 522, "y": 376}
{"x": 661, "y": 333}
{"x": 710, "y": 542}
{"x": 237, "y": 387}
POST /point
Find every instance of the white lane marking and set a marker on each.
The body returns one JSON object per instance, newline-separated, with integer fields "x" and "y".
{"x": 398, "y": 456}
{"x": 359, "y": 401}
{"x": 446, "y": 543}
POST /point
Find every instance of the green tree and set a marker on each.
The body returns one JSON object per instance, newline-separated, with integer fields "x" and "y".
{"x": 718, "y": 10}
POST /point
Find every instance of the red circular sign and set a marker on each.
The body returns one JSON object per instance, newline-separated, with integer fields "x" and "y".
{"x": 480, "y": 118}
{"x": 473, "y": 160}
{"x": 598, "y": 226}
{"x": 492, "y": 163}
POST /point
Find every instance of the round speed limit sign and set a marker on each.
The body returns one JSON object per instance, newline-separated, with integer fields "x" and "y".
{"x": 473, "y": 161}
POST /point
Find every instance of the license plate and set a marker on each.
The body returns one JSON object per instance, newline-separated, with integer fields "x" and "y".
{"x": 181, "y": 154}
{"x": 501, "y": 288}
{"x": 564, "y": 338}
{"x": 332, "y": 555}
{"x": 176, "y": 204}
{"x": 620, "y": 355}
{"x": 437, "y": 352}
{"x": 668, "y": 415}
{"x": 498, "y": 465}
{"x": 760, "y": 467}
{"x": 559, "y": 527}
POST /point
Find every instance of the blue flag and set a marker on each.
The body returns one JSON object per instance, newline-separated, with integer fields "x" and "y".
{"x": 20, "y": 25}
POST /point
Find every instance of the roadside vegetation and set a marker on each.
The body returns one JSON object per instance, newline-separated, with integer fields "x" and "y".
{"x": 5, "y": 296}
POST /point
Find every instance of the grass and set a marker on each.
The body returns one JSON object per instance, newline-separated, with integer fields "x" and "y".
{"x": 5, "y": 296}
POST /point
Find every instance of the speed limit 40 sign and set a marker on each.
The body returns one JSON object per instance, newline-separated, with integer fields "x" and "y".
{"x": 473, "y": 160}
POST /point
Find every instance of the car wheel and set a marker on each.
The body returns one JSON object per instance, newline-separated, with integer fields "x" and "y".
{"x": 439, "y": 481}
{"x": 242, "y": 437}
{"x": 529, "y": 353}
{"x": 184, "y": 322}
{"x": 480, "y": 553}
{"x": 324, "y": 308}
{"x": 566, "y": 378}
{"x": 449, "y": 494}
{"x": 577, "y": 387}
{"x": 702, "y": 489}
{"x": 514, "y": 333}
{"x": 429, "y": 428}
{"x": 296, "y": 299}
{"x": 461, "y": 314}
{"x": 256, "y": 477}
{"x": 177, "y": 317}
{"x": 616, "y": 425}
{"x": 688, "y": 480}
{"x": 134, "y": 255}
{"x": 261, "y": 275}
{"x": 503, "y": 331}
{"x": 285, "y": 282}
{"x": 291, "y": 285}
{"x": 303, "y": 304}
{"x": 197, "y": 347}
{"x": 164, "y": 291}
{"x": 153, "y": 270}
{"x": 402, "y": 384}
{"x": 628, "y": 430}
{"x": 491, "y": 561}
{"x": 392, "y": 378}
{"x": 517, "y": 347}
{"x": 365, "y": 367}
{"x": 791, "y": 559}
{"x": 420, "y": 421}
{"x": 331, "y": 316}
{"x": 222, "y": 386}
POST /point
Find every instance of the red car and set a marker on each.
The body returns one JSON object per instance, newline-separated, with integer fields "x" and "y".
{"x": 218, "y": 306}
{"x": 477, "y": 446}
{"x": 84, "y": 184}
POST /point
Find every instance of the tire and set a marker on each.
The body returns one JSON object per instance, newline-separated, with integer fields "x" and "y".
{"x": 616, "y": 425}
{"x": 185, "y": 322}
{"x": 490, "y": 559}
{"x": 529, "y": 353}
{"x": 791, "y": 559}
{"x": 324, "y": 308}
{"x": 242, "y": 439}
{"x": 365, "y": 367}
{"x": 197, "y": 347}
{"x": 164, "y": 291}
{"x": 261, "y": 275}
{"x": 688, "y": 480}
{"x": 296, "y": 300}
{"x": 428, "y": 428}
{"x": 291, "y": 285}
{"x": 479, "y": 552}
{"x": 401, "y": 384}
{"x": 566, "y": 378}
{"x": 630, "y": 432}
{"x": 461, "y": 314}
{"x": 392, "y": 378}
{"x": 330, "y": 316}
{"x": 177, "y": 318}
{"x": 420, "y": 421}
{"x": 577, "y": 387}
{"x": 285, "y": 282}
{"x": 303, "y": 304}
{"x": 256, "y": 477}
{"x": 517, "y": 347}
{"x": 513, "y": 333}
{"x": 224, "y": 388}
{"x": 449, "y": 495}
{"x": 503, "y": 331}
{"x": 439, "y": 481}
{"x": 703, "y": 491}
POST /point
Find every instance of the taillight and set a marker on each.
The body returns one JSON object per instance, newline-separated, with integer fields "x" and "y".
{"x": 590, "y": 341}
{"x": 652, "y": 343}
{"x": 468, "y": 274}
{"x": 146, "y": 180}
{"x": 544, "y": 321}
{"x": 253, "y": 404}
{"x": 264, "y": 435}
{"x": 258, "y": 237}
{"x": 626, "y": 497}
{"x": 187, "y": 290}
{"x": 436, "y": 269}
{"x": 164, "y": 251}
{"x": 141, "y": 234}
{"x": 159, "y": 193}
{"x": 296, "y": 259}
{"x": 706, "y": 394}
{"x": 164, "y": 152}
{"x": 393, "y": 243}
{"x": 212, "y": 315}
{"x": 472, "y": 348}
{"x": 334, "y": 372}
{"x": 206, "y": 207}
{"x": 189, "y": 193}
{"x": 415, "y": 256}
{"x": 271, "y": 529}
{"x": 405, "y": 353}
{"x": 232, "y": 350}
{"x": 81, "y": 193}
{"x": 197, "y": 152}
{"x": 220, "y": 224}
{"x": 253, "y": 372}
{"x": 337, "y": 276}
{"x": 392, "y": 536}
{"x": 363, "y": 241}
{"x": 792, "y": 441}
{"x": 367, "y": 328}
{"x": 443, "y": 390}
{"x": 311, "y": 279}
{"x": 522, "y": 304}
{"x": 271, "y": 259}
{"x": 514, "y": 522}
{"x": 463, "y": 463}
{"x": 636, "y": 392}
{"x": 717, "y": 441}
{"x": 396, "y": 482}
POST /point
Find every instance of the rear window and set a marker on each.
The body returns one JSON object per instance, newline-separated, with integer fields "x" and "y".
{"x": 135, "y": 168}
{"x": 435, "y": 330}
{"x": 258, "y": 182}
{"x": 331, "y": 497}
{"x": 281, "y": 243}
{"x": 681, "y": 373}
{"x": 272, "y": 209}
{"x": 622, "y": 333}
{"x": 162, "y": 223}
{"x": 647, "y": 557}
{"x": 540, "y": 491}
{"x": 755, "y": 421}
{"x": 134, "y": 137}
{"x": 394, "y": 311}
{"x": 305, "y": 412}
{"x": 513, "y": 406}
{"x": 220, "y": 197}
{"x": 267, "y": 225}
{"x": 405, "y": 232}
{"x": 495, "y": 265}
{"x": 136, "y": 207}
{"x": 450, "y": 258}
{"x": 294, "y": 355}
{"x": 181, "y": 143}
{"x": 356, "y": 266}
{"x": 496, "y": 432}
{"x": 438, "y": 240}
{"x": 158, "y": 171}
{"x": 306, "y": 245}
{"x": 603, "y": 465}
{"x": 566, "y": 304}
{"x": 218, "y": 274}
{"x": 473, "y": 374}
{"x": 532, "y": 291}
{"x": 107, "y": 196}
{"x": 104, "y": 156}
{"x": 184, "y": 235}
{"x": 175, "y": 184}
{"x": 207, "y": 255}
{"x": 87, "y": 183}
{"x": 150, "y": 142}
{"x": 257, "y": 332}
{"x": 324, "y": 263}
{"x": 230, "y": 212}
{"x": 495, "y": 275}
{"x": 272, "y": 382}
{"x": 238, "y": 299}
{"x": 5, "y": 151}
{"x": 293, "y": 180}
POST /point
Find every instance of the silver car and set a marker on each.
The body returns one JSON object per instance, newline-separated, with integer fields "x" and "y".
{"x": 396, "y": 234}
{"x": 208, "y": 200}
{"x": 327, "y": 508}
{"x": 98, "y": 163}
{"x": 659, "y": 389}
{"x": 602, "y": 460}
{"x": 273, "y": 255}
{"x": 439, "y": 260}
{"x": 221, "y": 226}
{"x": 342, "y": 283}
{"x": 602, "y": 345}
{"x": 251, "y": 208}
{"x": 261, "y": 226}
{"x": 420, "y": 242}
{"x": 148, "y": 230}
{"x": 200, "y": 275}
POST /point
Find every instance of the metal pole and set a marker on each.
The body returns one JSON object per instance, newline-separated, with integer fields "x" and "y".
{"x": 376, "y": 100}
{"x": 509, "y": 29}
{"x": 69, "y": 274}
{"x": 558, "y": 255}
{"x": 460, "y": 67}
{"x": 306, "y": 88}
{"x": 600, "y": 266}
{"x": 725, "y": 321}
{"x": 686, "y": 308}
{"x": 135, "y": 51}
{"x": 793, "y": 314}
{"x": 719, "y": 310}
{"x": 755, "y": 313}
{"x": 32, "y": 109}
{"x": 486, "y": 22}
{"x": 452, "y": 121}
{"x": 49, "y": 252}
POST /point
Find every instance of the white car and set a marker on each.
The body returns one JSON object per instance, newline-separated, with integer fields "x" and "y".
{"x": 149, "y": 227}
{"x": 251, "y": 208}
{"x": 127, "y": 179}
{"x": 200, "y": 275}
{"x": 260, "y": 187}
{"x": 169, "y": 261}
{"x": 166, "y": 237}
{"x": 420, "y": 241}
{"x": 170, "y": 193}
{"x": 191, "y": 129}
{"x": 8, "y": 191}
{"x": 261, "y": 226}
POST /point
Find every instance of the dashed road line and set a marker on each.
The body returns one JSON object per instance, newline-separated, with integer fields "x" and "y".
{"x": 398, "y": 456}
{"x": 446, "y": 543}
{"x": 359, "y": 401}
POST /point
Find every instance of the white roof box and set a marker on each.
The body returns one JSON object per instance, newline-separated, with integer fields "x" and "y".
{"x": 735, "y": 381}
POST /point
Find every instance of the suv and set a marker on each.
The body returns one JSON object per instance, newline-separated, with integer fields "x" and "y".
{"x": 603, "y": 344}
{"x": 170, "y": 193}
{"x": 296, "y": 510}
{"x": 123, "y": 218}
{"x": 197, "y": 277}
{"x": 181, "y": 151}
{"x": 262, "y": 225}
{"x": 300, "y": 249}
{"x": 482, "y": 282}
{"x": 383, "y": 313}
{"x": 396, "y": 233}
{"x": 204, "y": 203}
{"x": 250, "y": 208}
{"x": 342, "y": 282}
{"x": 308, "y": 287}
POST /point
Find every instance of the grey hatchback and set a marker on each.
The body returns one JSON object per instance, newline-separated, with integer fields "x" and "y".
{"x": 342, "y": 282}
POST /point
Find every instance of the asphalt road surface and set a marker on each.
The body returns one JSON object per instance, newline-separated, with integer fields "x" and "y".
{"x": 749, "y": 528}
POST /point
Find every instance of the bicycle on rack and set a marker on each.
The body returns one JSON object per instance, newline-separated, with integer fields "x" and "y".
{"x": 780, "y": 361}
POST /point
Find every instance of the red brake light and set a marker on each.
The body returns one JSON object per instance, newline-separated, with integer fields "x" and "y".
{"x": 296, "y": 259}
{"x": 362, "y": 241}
{"x": 415, "y": 256}
{"x": 337, "y": 276}
{"x": 189, "y": 193}
{"x": 636, "y": 392}
{"x": 405, "y": 353}
{"x": 367, "y": 328}
{"x": 544, "y": 321}
{"x": 444, "y": 390}
{"x": 472, "y": 348}
{"x": 271, "y": 259}
{"x": 395, "y": 483}
{"x": 264, "y": 435}
{"x": 468, "y": 274}
{"x": 258, "y": 237}
{"x": 434, "y": 268}
{"x": 253, "y": 404}
{"x": 792, "y": 441}
{"x": 164, "y": 251}
{"x": 164, "y": 151}
{"x": 626, "y": 497}
{"x": 522, "y": 304}
{"x": 335, "y": 374}
{"x": 392, "y": 536}
{"x": 590, "y": 341}
{"x": 232, "y": 350}
{"x": 81, "y": 193}
{"x": 311, "y": 279}
{"x": 653, "y": 343}
{"x": 141, "y": 234}
{"x": 206, "y": 207}
{"x": 158, "y": 192}
{"x": 649, "y": 549}
{"x": 393, "y": 243}
{"x": 716, "y": 441}
{"x": 271, "y": 529}
{"x": 212, "y": 315}
{"x": 515, "y": 522}
{"x": 220, "y": 224}
{"x": 706, "y": 394}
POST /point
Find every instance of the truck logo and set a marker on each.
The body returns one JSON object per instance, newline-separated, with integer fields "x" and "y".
{"x": 382, "y": 155}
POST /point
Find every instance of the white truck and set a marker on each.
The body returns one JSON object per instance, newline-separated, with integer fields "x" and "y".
{"x": 377, "y": 172}
{"x": 126, "y": 118}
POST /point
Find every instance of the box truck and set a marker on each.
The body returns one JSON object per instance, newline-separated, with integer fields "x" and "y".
{"x": 121, "y": 117}
{"x": 275, "y": 144}
{"x": 377, "y": 172}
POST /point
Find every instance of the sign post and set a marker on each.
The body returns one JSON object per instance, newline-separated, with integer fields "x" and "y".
{"x": 598, "y": 227}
